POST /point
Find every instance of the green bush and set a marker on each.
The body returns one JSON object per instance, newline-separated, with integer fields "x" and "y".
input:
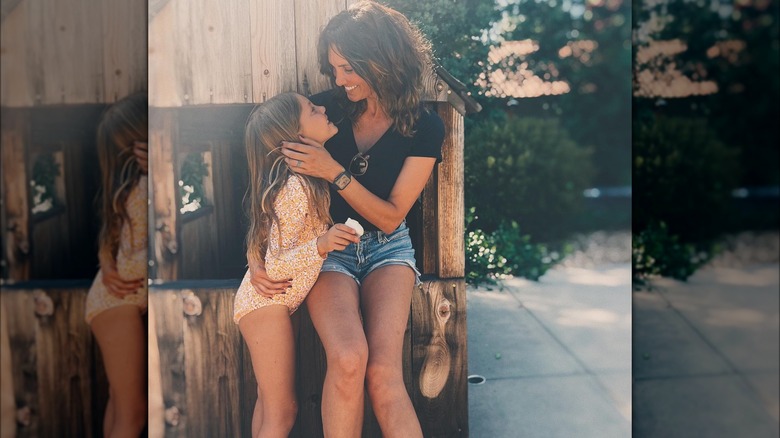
{"x": 505, "y": 251}
{"x": 655, "y": 251}
{"x": 683, "y": 176}
{"x": 526, "y": 170}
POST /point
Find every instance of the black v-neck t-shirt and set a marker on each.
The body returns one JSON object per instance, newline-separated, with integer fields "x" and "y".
{"x": 386, "y": 156}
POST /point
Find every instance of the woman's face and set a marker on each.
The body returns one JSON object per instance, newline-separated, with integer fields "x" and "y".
{"x": 356, "y": 87}
{"x": 314, "y": 123}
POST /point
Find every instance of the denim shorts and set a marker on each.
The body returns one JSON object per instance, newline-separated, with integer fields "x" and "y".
{"x": 375, "y": 250}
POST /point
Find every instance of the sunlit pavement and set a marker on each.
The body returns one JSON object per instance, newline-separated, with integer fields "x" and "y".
{"x": 706, "y": 354}
{"x": 556, "y": 355}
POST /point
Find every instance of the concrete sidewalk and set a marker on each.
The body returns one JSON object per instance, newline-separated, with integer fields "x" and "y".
{"x": 556, "y": 355}
{"x": 706, "y": 354}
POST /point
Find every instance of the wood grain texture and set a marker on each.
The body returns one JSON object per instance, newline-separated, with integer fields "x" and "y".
{"x": 218, "y": 46}
{"x": 66, "y": 51}
{"x": 15, "y": 82}
{"x": 169, "y": 329}
{"x": 7, "y": 402}
{"x": 124, "y": 48}
{"x": 63, "y": 348}
{"x": 452, "y": 251}
{"x": 156, "y": 423}
{"x": 213, "y": 352}
{"x": 59, "y": 386}
{"x": 430, "y": 222}
{"x": 165, "y": 88}
{"x": 439, "y": 358}
{"x": 21, "y": 323}
{"x": 14, "y": 134}
{"x": 163, "y": 134}
{"x": 272, "y": 48}
{"x": 310, "y": 18}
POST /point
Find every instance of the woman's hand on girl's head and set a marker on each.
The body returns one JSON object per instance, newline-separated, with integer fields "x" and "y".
{"x": 116, "y": 285}
{"x": 263, "y": 284}
{"x": 310, "y": 158}
{"x": 338, "y": 237}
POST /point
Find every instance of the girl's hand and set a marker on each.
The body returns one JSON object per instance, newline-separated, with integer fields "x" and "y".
{"x": 116, "y": 285}
{"x": 336, "y": 239}
{"x": 310, "y": 158}
{"x": 141, "y": 152}
{"x": 263, "y": 284}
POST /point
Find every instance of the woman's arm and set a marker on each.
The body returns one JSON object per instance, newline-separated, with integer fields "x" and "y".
{"x": 384, "y": 214}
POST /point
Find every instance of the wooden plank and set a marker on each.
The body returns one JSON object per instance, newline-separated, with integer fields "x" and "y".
{"x": 64, "y": 367}
{"x": 169, "y": 329}
{"x": 165, "y": 90}
{"x": 310, "y": 18}
{"x": 439, "y": 358}
{"x": 7, "y": 402}
{"x": 230, "y": 179}
{"x": 219, "y": 50}
{"x": 430, "y": 225}
{"x": 66, "y": 49}
{"x": 15, "y": 81}
{"x": 199, "y": 259}
{"x": 21, "y": 325}
{"x": 156, "y": 424}
{"x": 124, "y": 48}
{"x": 452, "y": 251}
{"x": 273, "y": 51}
{"x": 163, "y": 132}
{"x": 14, "y": 135}
{"x": 212, "y": 346}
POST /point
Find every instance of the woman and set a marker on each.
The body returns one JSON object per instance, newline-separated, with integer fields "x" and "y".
{"x": 118, "y": 296}
{"x": 377, "y": 165}
{"x": 289, "y": 231}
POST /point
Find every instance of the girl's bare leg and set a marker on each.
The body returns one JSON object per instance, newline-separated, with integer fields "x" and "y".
{"x": 121, "y": 335}
{"x": 268, "y": 333}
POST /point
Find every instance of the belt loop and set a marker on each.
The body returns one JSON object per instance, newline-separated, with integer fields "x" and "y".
{"x": 382, "y": 237}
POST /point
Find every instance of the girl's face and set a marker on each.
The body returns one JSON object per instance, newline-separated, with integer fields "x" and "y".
{"x": 314, "y": 123}
{"x": 356, "y": 87}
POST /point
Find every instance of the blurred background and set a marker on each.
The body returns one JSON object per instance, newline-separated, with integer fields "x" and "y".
{"x": 63, "y": 62}
{"x": 705, "y": 218}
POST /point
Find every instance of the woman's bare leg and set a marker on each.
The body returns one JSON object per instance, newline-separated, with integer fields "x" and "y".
{"x": 333, "y": 305}
{"x": 386, "y": 296}
{"x": 268, "y": 333}
{"x": 121, "y": 335}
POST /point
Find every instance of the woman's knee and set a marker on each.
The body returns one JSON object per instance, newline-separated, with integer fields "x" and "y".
{"x": 383, "y": 380}
{"x": 349, "y": 359}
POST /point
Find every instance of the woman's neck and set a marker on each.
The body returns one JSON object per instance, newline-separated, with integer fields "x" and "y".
{"x": 374, "y": 111}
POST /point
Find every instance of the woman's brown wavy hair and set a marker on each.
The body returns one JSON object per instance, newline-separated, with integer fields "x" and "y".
{"x": 122, "y": 124}
{"x": 270, "y": 123}
{"x": 384, "y": 49}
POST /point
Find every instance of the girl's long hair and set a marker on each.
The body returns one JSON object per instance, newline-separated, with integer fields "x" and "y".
{"x": 384, "y": 49}
{"x": 123, "y": 123}
{"x": 270, "y": 123}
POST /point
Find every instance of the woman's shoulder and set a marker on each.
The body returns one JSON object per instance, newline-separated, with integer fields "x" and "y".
{"x": 429, "y": 125}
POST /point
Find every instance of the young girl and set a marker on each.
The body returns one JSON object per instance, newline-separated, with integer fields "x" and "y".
{"x": 118, "y": 296}
{"x": 289, "y": 234}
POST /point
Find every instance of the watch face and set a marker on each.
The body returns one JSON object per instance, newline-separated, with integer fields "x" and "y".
{"x": 342, "y": 181}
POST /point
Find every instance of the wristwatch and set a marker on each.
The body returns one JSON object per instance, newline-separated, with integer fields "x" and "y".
{"x": 342, "y": 180}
